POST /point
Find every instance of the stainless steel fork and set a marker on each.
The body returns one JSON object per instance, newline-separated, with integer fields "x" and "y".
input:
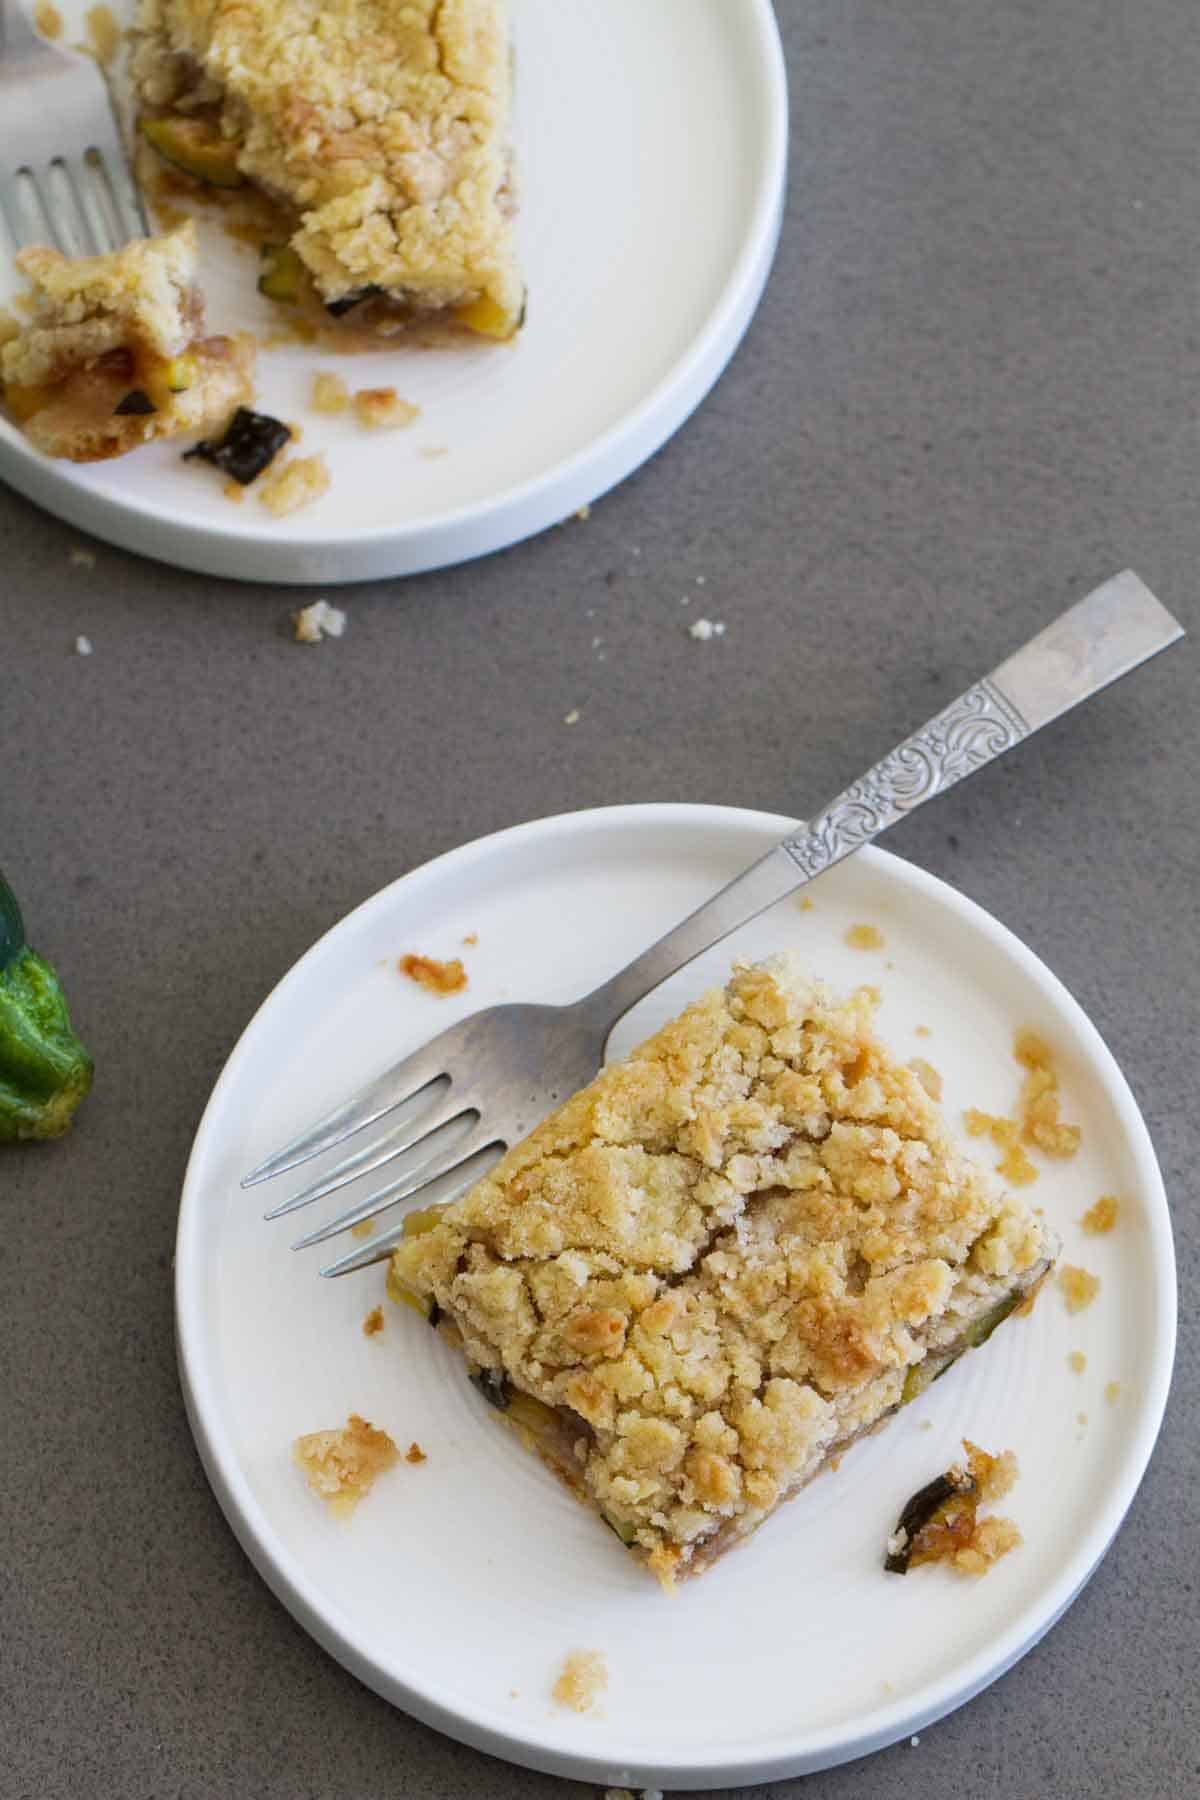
{"x": 64, "y": 176}
{"x": 454, "y": 1106}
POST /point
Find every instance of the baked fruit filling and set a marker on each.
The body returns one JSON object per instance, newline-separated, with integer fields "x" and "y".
{"x": 114, "y": 351}
{"x": 379, "y": 129}
{"x": 715, "y": 1267}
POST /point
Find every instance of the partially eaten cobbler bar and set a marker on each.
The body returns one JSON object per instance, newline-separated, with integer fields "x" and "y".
{"x": 114, "y": 352}
{"x": 379, "y": 127}
{"x": 732, "y": 1254}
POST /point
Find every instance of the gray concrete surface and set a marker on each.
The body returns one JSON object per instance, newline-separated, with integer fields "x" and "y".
{"x": 971, "y": 392}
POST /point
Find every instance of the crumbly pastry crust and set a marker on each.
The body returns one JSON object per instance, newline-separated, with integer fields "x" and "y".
{"x": 382, "y": 124}
{"x": 103, "y": 326}
{"x": 723, "y": 1261}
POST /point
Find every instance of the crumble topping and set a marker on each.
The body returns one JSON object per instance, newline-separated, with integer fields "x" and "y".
{"x": 48, "y": 19}
{"x": 296, "y": 483}
{"x": 330, "y": 393}
{"x": 414, "y": 1454}
{"x": 1078, "y": 1286}
{"x": 364, "y": 1228}
{"x": 341, "y": 1465}
{"x": 1077, "y": 1362}
{"x": 583, "y": 1680}
{"x": 722, "y": 1260}
{"x": 1038, "y": 1104}
{"x": 927, "y": 1075}
{"x": 1100, "y": 1218}
{"x": 864, "y": 937}
{"x": 104, "y": 34}
{"x": 382, "y": 409}
{"x": 1014, "y": 1165}
{"x": 941, "y": 1522}
{"x": 439, "y": 977}
{"x": 373, "y": 1323}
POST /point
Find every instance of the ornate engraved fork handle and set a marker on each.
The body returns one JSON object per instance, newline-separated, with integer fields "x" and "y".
{"x": 1094, "y": 642}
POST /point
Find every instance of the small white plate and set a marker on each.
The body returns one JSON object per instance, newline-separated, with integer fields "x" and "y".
{"x": 651, "y": 144}
{"x": 458, "y": 1586}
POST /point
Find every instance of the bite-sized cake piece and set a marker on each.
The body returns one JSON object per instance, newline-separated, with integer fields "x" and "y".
{"x": 114, "y": 351}
{"x": 381, "y": 127}
{"x": 732, "y": 1254}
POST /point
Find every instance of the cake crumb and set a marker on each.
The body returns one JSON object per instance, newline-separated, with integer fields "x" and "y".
{"x": 301, "y": 481}
{"x": 432, "y": 451}
{"x": 373, "y": 1323}
{"x": 941, "y": 1523}
{"x": 583, "y": 512}
{"x": 1101, "y": 1217}
{"x": 84, "y": 559}
{"x": 472, "y": 938}
{"x": 704, "y": 629}
{"x": 340, "y": 1466}
{"x": 104, "y": 34}
{"x": 364, "y": 1228}
{"x": 320, "y": 620}
{"x": 1077, "y": 1361}
{"x": 48, "y": 19}
{"x": 1079, "y": 1287}
{"x": 928, "y": 1077}
{"x": 864, "y": 937}
{"x": 329, "y": 393}
{"x": 1014, "y": 1165}
{"x": 925, "y": 1425}
{"x": 414, "y": 1454}
{"x": 805, "y": 904}
{"x": 1112, "y": 1392}
{"x": 571, "y": 718}
{"x": 83, "y": 645}
{"x": 428, "y": 972}
{"x": 233, "y": 490}
{"x": 924, "y": 1031}
{"x": 583, "y": 1679}
{"x": 382, "y": 409}
{"x": 1038, "y": 1103}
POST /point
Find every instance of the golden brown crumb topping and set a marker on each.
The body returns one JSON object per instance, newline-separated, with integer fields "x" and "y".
{"x": 1101, "y": 1217}
{"x": 724, "y": 1256}
{"x": 48, "y": 19}
{"x": 330, "y": 393}
{"x": 104, "y": 34}
{"x": 1014, "y": 1165}
{"x": 954, "y": 1533}
{"x": 1038, "y": 1104}
{"x": 414, "y": 1454}
{"x": 928, "y": 1076}
{"x": 1077, "y": 1362}
{"x": 364, "y": 1228}
{"x": 341, "y": 1465}
{"x": 290, "y": 485}
{"x": 583, "y": 1680}
{"x": 439, "y": 977}
{"x": 1078, "y": 1286}
{"x": 382, "y": 409}
{"x": 1112, "y": 1392}
{"x": 864, "y": 937}
{"x": 373, "y": 1323}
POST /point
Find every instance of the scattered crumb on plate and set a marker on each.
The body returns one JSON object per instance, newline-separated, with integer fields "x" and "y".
{"x": 84, "y": 559}
{"x": 864, "y": 937}
{"x": 471, "y": 938}
{"x": 83, "y": 645}
{"x": 48, "y": 19}
{"x": 1102, "y": 1217}
{"x": 1112, "y": 1392}
{"x": 583, "y": 1679}
{"x": 382, "y": 409}
{"x": 428, "y": 972}
{"x": 431, "y": 451}
{"x": 703, "y": 629}
{"x": 1014, "y": 1165}
{"x": 1037, "y": 1105}
{"x": 924, "y": 1031}
{"x": 414, "y": 1454}
{"x": 373, "y": 1323}
{"x": 233, "y": 490}
{"x": 329, "y": 393}
{"x": 805, "y": 903}
{"x": 340, "y": 1466}
{"x": 104, "y": 34}
{"x": 364, "y": 1228}
{"x": 1079, "y": 1287}
{"x": 941, "y": 1522}
{"x": 320, "y": 620}
{"x": 298, "y": 482}
{"x": 928, "y": 1077}
{"x": 1081, "y": 1418}
{"x": 1077, "y": 1361}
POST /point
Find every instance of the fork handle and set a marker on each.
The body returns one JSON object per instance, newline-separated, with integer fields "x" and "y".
{"x": 1102, "y": 637}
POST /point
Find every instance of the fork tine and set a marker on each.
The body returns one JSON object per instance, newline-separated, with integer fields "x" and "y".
{"x": 440, "y": 1157}
{"x": 403, "y": 1081}
{"x": 407, "y": 1134}
{"x": 71, "y": 216}
{"x": 442, "y": 1188}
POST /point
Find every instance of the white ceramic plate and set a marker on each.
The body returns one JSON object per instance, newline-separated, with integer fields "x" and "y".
{"x": 458, "y": 1586}
{"x": 651, "y": 142}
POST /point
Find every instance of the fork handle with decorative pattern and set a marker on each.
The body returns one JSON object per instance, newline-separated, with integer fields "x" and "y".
{"x": 1094, "y": 642}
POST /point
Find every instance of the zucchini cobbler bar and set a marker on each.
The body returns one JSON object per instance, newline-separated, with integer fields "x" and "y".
{"x": 115, "y": 353}
{"x": 731, "y": 1255}
{"x": 379, "y": 128}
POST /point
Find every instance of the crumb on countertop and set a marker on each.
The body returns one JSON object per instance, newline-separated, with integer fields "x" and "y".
{"x": 1112, "y": 1392}
{"x": 1038, "y": 1103}
{"x": 382, "y": 409}
{"x": 704, "y": 629}
{"x": 83, "y": 559}
{"x": 372, "y": 1325}
{"x": 83, "y": 645}
{"x": 320, "y": 620}
{"x": 583, "y": 1679}
{"x": 298, "y": 482}
{"x": 572, "y": 718}
{"x": 1101, "y": 1217}
{"x": 104, "y": 34}
{"x": 414, "y": 1454}
{"x": 341, "y": 1465}
{"x": 329, "y": 393}
{"x": 864, "y": 937}
{"x": 428, "y": 972}
{"x": 1079, "y": 1287}
{"x": 1077, "y": 1361}
{"x": 928, "y": 1076}
{"x": 941, "y": 1522}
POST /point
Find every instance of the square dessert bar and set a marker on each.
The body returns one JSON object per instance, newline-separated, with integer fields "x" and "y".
{"x": 114, "y": 352}
{"x": 380, "y": 127}
{"x": 732, "y": 1254}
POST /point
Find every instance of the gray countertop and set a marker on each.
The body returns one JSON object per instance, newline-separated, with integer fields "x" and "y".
{"x": 971, "y": 393}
